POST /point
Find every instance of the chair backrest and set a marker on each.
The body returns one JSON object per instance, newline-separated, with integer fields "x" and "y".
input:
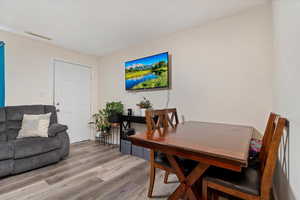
{"x": 158, "y": 120}
{"x": 271, "y": 157}
{"x": 172, "y": 117}
{"x": 269, "y": 131}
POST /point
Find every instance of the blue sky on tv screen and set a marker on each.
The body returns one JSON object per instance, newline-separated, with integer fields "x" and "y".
{"x": 148, "y": 60}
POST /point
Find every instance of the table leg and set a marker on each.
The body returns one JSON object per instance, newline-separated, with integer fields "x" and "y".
{"x": 186, "y": 182}
{"x": 179, "y": 193}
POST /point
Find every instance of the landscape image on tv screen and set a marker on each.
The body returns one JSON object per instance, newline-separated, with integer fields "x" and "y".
{"x": 147, "y": 73}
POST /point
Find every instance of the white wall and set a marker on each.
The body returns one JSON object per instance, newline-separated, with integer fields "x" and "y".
{"x": 28, "y": 63}
{"x": 287, "y": 82}
{"x": 221, "y": 71}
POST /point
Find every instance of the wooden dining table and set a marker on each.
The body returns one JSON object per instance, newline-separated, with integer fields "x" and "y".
{"x": 210, "y": 144}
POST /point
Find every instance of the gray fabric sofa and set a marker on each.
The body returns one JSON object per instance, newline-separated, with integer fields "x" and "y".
{"x": 20, "y": 155}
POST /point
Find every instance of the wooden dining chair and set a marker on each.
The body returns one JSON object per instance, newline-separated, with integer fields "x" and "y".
{"x": 265, "y": 144}
{"x": 157, "y": 121}
{"x": 160, "y": 120}
{"x": 172, "y": 117}
{"x": 251, "y": 183}
{"x": 267, "y": 138}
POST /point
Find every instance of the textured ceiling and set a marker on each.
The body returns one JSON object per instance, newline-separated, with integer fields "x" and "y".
{"x": 102, "y": 26}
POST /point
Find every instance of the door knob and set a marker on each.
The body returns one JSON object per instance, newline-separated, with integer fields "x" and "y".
{"x": 57, "y": 110}
{"x": 57, "y": 103}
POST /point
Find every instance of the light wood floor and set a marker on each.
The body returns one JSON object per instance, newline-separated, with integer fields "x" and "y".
{"x": 92, "y": 171}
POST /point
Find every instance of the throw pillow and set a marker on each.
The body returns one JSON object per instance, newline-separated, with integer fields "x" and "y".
{"x": 35, "y": 125}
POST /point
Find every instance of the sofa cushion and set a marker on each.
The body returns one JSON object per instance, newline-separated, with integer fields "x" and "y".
{"x": 17, "y": 112}
{"x": 2, "y": 115}
{"x": 2, "y": 126}
{"x": 3, "y": 137}
{"x": 6, "y": 150}
{"x": 12, "y": 134}
{"x": 26, "y": 147}
{"x": 6, "y": 167}
{"x": 25, "y": 164}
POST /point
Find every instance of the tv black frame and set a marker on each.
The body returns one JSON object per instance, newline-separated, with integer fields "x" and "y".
{"x": 155, "y": 88}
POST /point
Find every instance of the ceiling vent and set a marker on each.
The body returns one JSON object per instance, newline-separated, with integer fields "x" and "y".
{"x": 37, "y": 35}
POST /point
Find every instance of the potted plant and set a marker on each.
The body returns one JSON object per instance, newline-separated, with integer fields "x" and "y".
{"x": 144, "y": 105}
{"x": 114, "y": 111}
{"x": 101, "y": 122}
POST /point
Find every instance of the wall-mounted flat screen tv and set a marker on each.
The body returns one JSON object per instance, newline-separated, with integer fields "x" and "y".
{"x": 147, "y": 73}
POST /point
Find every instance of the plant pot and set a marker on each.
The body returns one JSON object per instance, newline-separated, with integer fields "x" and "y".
{"x": 143, "y": 112}
{"x": 107, "y": 129}
{"x": 114, "y": 118}
{"x": 98, "y": 134}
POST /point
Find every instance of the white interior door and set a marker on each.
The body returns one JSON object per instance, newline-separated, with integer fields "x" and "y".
{"x": 72, "y": 98}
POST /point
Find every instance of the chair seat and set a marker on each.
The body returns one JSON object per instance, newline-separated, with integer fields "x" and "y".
{"x": 188, "y": 165}
{"x": 247, "y": 181}
{"x": 161, "y": 158}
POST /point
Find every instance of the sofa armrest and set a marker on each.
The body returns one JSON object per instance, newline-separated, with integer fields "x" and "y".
{"x": 54, "y": 129}
{"x": 65, "y": 144}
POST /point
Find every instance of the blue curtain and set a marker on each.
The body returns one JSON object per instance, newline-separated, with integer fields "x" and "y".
{"x": 2, "y": 75}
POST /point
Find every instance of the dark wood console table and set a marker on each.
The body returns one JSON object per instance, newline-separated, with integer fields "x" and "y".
{"x": 126, "y": 121}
